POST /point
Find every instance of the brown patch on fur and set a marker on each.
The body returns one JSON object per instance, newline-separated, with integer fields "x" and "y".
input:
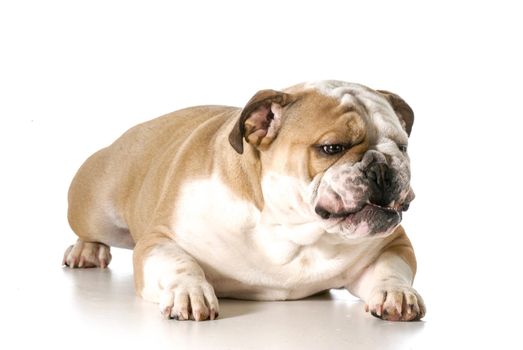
{"x": 328, "y": 123}
{"x": 305, "y": 262}
{"x": 400, "y": 245}
{"x": 311, "y": 119}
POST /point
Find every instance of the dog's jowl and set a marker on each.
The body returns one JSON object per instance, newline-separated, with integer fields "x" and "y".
{"x": 300, "y": 191}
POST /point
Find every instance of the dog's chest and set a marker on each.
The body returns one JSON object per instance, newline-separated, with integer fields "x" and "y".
{"x": 244, "y": 257}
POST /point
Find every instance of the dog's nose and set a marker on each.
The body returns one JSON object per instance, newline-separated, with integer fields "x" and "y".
{"x": 380, "y": 175}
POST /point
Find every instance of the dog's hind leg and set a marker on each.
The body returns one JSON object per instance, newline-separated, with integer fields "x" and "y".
{"x": 93, "y": 216}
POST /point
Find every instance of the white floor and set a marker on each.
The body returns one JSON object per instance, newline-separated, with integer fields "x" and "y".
{"x": 94, "y": 308}
{"x": 49, "y": 306}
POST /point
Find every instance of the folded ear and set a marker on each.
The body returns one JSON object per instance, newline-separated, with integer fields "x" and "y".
{"x": 260, "y": 119}
{"x": 402, "y": 109}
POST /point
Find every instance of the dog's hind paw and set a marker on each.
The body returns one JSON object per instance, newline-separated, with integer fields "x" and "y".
{"x": 86, "y": 254}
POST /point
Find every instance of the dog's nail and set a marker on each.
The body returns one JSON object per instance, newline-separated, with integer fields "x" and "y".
{"x": 81, "y": 262}
{"x": 185, "y": 314}
{"x": 198, "y": 316}
{"x": 103, "y": 263}
{"x": 214, "y": 314}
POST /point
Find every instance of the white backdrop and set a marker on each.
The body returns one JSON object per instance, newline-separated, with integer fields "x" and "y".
{"x": 75, "y": 75}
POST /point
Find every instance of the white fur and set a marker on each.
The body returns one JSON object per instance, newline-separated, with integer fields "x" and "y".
{"x": 258, "y": 255}
{"x": 159, "y": 270}
{"x": 391, "y": 270}
{"x": 176, "y": 282}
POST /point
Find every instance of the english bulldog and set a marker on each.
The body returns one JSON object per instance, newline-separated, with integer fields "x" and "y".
{"x": 299, "y": 192}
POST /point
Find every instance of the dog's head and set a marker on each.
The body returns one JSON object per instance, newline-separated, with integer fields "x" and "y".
{"x": 331, "y": 152}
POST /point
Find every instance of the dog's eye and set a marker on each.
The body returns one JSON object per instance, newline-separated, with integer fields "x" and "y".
{"x": 403, "y": 148}
{"x": 332, "y": 149}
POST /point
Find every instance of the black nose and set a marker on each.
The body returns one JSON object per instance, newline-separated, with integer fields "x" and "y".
{"x": 380, "y": 175}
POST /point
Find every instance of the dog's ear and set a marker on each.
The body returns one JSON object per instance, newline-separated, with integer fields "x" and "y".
{"x": 260, "y": 119}
{"x": 402, "y": 109}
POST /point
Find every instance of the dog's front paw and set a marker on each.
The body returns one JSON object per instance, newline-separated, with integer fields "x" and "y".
{"x": 189, "y": 299}
{"x": 395, "y": 303}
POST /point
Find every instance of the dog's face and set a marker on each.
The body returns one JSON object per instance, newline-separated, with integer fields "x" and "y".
{"x": 332, "y": 152}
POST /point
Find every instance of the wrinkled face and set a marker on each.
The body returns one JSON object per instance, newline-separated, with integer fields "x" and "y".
{"x": 359, "y": 165}
{"x": 365, "y": 197}
{"x": 339, "y": 158}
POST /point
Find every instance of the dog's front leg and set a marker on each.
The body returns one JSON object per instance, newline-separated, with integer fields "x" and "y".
{"x": 164, "y": 273}
{"x": 386, "y": 285}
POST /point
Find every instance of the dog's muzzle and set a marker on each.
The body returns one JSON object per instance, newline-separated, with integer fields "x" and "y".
{"x": 367, "y": 196}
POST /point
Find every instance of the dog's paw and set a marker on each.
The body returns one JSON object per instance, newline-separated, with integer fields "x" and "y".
{"x": 86, "y": 254}
{"x": 192, "y": 299}
{"x": 395, "y": 303}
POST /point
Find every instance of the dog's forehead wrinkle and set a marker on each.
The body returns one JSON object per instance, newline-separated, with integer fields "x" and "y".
{"x": 350, "y": 93}
{"x": 374, "y": 107}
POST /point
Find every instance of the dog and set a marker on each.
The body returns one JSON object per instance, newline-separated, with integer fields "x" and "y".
{"x": 299, "y": 192}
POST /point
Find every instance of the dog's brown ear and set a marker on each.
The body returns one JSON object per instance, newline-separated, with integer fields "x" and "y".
{"x": 260, "y": 120}
{"x": 402, "y": 109}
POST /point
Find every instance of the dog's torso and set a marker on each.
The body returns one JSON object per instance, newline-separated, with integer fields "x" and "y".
{"x": 243, "y": 252}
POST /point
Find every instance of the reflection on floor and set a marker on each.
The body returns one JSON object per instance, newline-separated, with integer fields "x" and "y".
{"x": 94, "y": 308}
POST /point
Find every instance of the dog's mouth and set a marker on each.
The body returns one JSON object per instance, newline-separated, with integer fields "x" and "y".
{"x": 369, "y": 219}
{"x": 326, "y": 215}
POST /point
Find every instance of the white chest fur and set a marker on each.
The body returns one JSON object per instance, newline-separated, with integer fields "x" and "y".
{"x": 249, "y": 254}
